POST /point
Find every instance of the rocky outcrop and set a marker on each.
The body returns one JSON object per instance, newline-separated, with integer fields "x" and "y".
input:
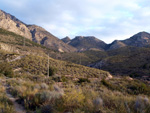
{"x": 8, "y": 48}
{"x": 12, "y": 24}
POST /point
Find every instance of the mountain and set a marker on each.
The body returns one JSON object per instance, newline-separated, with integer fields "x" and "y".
{"x": 140, "y": 39}
{"x": 66, "y": 39}
{"x": 83, "y": 43}
{"x": 116, "y": 44}
{"x": 33, "y": 32}
{"x": 45, "y": 38}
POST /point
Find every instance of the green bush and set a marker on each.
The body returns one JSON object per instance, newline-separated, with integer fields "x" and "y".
{"x": 81, "y": 80}
{"x": 138, "y": 88}
{"x": 6, "y": 70}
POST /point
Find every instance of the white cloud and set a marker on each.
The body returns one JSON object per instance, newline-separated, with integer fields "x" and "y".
{"x": 105, "y": 19}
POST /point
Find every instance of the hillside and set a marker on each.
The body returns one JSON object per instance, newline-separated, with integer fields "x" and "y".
{"x": 115, "y": 45}
{"x": 14, "y": 44}
{"x": 25, "y": 86}
{"x": 48, "y": 40}
{"x": 130, "y": 61}
{"x": 87, "y": 43}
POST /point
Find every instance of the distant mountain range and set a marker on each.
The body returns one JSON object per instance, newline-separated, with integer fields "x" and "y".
{"x": 79, "y": 43}
{"x": 83, "y": 43}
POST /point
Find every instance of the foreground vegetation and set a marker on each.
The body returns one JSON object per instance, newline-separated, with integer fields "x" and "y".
{"x": 62, "y": 93}
{"x": 6, "y": 106}
{"x": 68, "y": 88}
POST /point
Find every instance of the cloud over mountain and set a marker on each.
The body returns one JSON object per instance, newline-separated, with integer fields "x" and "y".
{"x": 101, "y": 18}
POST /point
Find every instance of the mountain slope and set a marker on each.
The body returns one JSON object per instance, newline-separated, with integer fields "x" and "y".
{"x": 86, "y": 43}
{"x": 131, "y": 61}
{"x": 11, "y": 23}
{"x": 45, "y": 38}
{"x": 33, "y": 57}
{"x": 140, "y": 39}
{"x": 33, "y": 32}
{"x": 116, "y": 44}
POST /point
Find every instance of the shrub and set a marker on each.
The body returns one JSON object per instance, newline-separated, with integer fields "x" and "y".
{"x": 46, "y": 109}
{"x": 52, "y": 71}
{"x": 58, "y": 89}
{"x": 37, "y": 86}
{"x": 98, "y": 102}
{"x": 138, "y": 88}
{"x": 107, "y": 84}
{"x": 6, "y": 69}
{"x": 74, "y": 99}
{"x": 141, "y": 103}
{"x": 44, "y": 86}
{"x": 47, "y": 96}
{"x": 81, "y": 80}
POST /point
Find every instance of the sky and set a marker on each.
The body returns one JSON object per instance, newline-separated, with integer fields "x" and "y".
{"x": 107, "y": 20}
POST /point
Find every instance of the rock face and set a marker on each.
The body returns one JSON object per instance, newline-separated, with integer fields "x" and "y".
{"x": 83, "y": 43}
{"x": 33, "y": 32}
{"x": 12, "y": 24}
{"x": 7, "y": 48}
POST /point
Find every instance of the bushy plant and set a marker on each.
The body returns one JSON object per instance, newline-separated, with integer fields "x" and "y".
{"x": 46, "y": 109}
{"x": 52, "y": 71}
{"x": 58, "y": 89}
{"x": 6, "y": 70}
{"x": 44, "y": 86}
{"x": 141, "y": 103}
{"x": 73, "y": 99}
{"x": 81, "y": 80}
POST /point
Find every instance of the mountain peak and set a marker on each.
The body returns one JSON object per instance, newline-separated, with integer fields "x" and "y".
{"x": 141, "y": 35}
{"x": 66, "y": 39}
{"x": 83, "y": 43}
{"x": 140, "y": 39}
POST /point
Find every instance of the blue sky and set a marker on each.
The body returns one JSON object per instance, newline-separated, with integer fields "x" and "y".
{"x": 107, "y": 20}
